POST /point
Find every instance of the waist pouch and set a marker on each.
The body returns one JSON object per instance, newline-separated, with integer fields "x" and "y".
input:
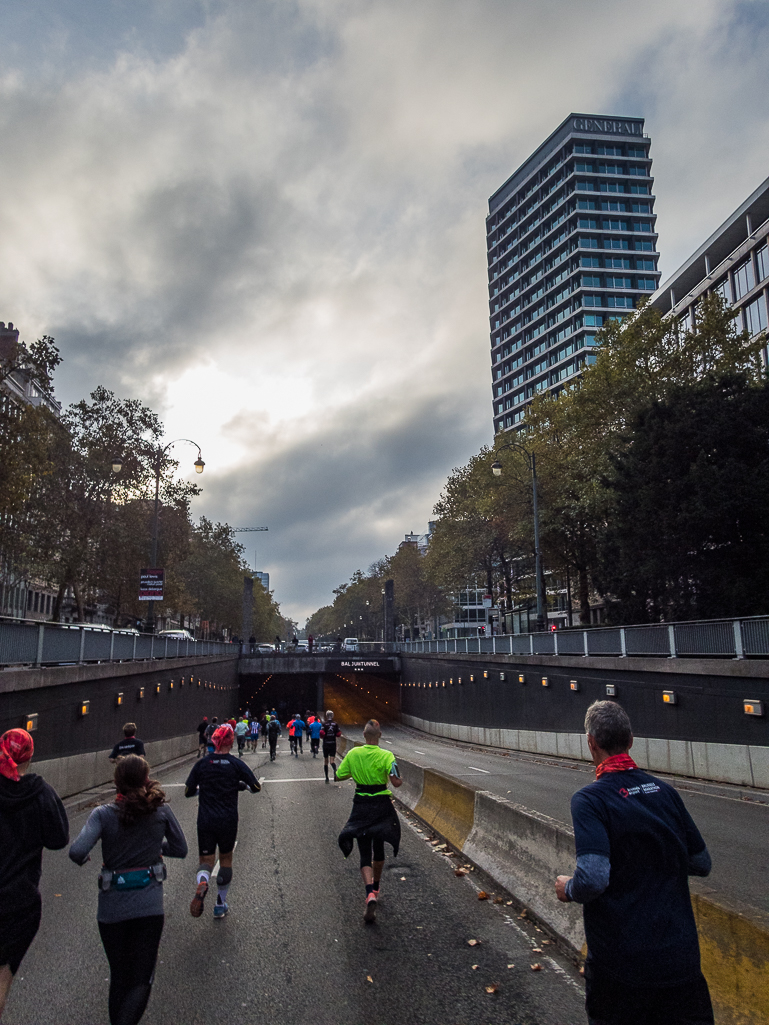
{"x": 371, "y": 789}
{"x": 131, "y": 878}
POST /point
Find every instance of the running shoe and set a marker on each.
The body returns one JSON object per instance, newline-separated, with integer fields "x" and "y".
{"x": 196, "y": 904}
{"x": 369, "y": 915}
{"x": 220, "y": 910}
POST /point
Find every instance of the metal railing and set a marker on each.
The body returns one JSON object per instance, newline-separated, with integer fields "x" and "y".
{"x": 321, "y": 650}
{"x": 42, "y": 644}
{"x": 715, "y": 638}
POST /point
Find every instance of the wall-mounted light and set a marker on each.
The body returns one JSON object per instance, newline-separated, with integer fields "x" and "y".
{"x": 140, "y": 694}
{"x": 30, "y": 722}
{"x": 84, "y": 708}
{"x": 119, "y": 699}
{"x": 501, "y": 676}
{"x": 472, "y": 678}
{"x": 611, "y": 690}
{"x": 521, "y": 678}
{"x": 573, "y": 685}
{"x": 171, "y": 685}
{"x": 451, "y": 680}
{"x": 459, "y": 679}
{"x": 157, "y": 688}
{"x": 752, "y": 707}
{"x": 485, "y": 675}
{"x": 669, "y": 697}
{"x": 545, "y": 681}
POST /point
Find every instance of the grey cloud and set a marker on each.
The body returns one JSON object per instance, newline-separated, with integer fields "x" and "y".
{"x": 294, "y": 191}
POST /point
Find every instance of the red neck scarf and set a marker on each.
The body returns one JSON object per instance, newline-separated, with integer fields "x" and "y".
{"x": 615, "y": 763}
{"x": 16, "y": 746}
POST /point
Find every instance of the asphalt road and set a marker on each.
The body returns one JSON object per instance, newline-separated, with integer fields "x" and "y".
{"x": 734, "y": 821}
{"x": 294, "y": 947}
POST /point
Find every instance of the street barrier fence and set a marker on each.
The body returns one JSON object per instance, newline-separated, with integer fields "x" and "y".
{"x": 41, "y": 644}
{"x": 717, "y": 638}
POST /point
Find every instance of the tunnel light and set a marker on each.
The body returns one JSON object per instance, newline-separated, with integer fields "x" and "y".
{"x": 472, "y": 678}
{"x": 30, "y": 722}
{"x": 521, "y": 678}
{"x": 485, "y": 675}
{"x": 611, "y": 690}
{"x": 85, "y": 708}
{"x": 501, "y": 676}
{"x": 171, "y": 685}
{"x": 157, "y": 688}
{"x": 545, "y": 682}
{"x": 573, "y": 685}
{"x": 459, "y": 679}
{"x": 140, "y": 694}
{"x": 752, "y": 707}
{"x": 119, "y": 699}
{"x": 669, "y": 697}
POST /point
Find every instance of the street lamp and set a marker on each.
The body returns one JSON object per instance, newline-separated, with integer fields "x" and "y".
{"x": 117, "y": 464}
{"x": 159, "y": 455}
{"x": 496, "y": 469}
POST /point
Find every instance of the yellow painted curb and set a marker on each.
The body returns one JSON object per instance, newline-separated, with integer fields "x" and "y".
{"x": 734, "y": 947}
{"x": 447, "y": 806}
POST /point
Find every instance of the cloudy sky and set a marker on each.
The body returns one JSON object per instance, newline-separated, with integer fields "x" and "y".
{"x": 266, "y": 219}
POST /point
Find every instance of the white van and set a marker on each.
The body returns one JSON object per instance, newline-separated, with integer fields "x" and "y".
{"x": 350, "y": 644}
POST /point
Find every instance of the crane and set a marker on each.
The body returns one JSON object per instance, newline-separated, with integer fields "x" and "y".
{"x": 249, "y": 530}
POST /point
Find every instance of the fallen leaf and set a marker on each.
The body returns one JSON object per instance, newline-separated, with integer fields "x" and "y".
{"x": 460, "y": 871}
{"x": 499, "y": 900}
{"x": 475, "y": 967}
{"x": 369, "y": 979}
{"x": 582, "y": 970}
{"x": 536, "y": 967}
{"x": 508, "y": 903}
{"x": 546, "y": 942}
{"x": 473, "y": 943}
{"x": 492, "y": 988}
{"x": 536, "y": 950}
{"x": 403, "y": 879}
{"x": 522, "y": 914}
{"x": 57, "y": 895}
{"x": 440, "y": 846}
{"x": 420, "y": 831}
{"x": 511, "y": 966}
{"x": 482, "y": 895}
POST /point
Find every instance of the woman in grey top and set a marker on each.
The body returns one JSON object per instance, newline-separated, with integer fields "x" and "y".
{"x": 136, "y": 830}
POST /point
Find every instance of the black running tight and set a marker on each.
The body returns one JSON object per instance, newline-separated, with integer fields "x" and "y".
{"x": 365, "y": 844}
{"x": 132, "y": 949}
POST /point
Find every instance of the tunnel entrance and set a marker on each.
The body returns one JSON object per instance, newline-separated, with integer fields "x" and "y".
{"x": 354, "y": 698}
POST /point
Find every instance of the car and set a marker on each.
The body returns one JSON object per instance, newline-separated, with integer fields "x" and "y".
{"x": 302, "y": 645}
{"x": 265, "y": 649}
{"x": 176, "y": 635}
{"x": 350, "y": 644}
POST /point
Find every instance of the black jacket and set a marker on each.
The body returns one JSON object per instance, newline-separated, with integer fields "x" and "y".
{"x": 31, "y": 817}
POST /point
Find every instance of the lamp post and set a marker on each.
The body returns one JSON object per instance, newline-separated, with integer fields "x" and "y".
{"x": 496, "y": 469}
{"x": 159, "y": 455}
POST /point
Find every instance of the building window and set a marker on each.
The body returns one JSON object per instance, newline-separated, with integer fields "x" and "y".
{"x": 755, "y": 316}
{"x": 588, "y": 243}
{"x": 618, "y": 282}
{"x": 724, "y": 290}
{"x": 647, "y": 283}
{"x": 590, "y": 281}
{"x": 744, "y": 279}
{"x": 762, "y": 261}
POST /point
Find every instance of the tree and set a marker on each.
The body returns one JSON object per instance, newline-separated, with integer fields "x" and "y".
{"x": 688, "y": 535}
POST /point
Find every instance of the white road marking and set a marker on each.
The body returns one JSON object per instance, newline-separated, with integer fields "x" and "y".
{"x": 294, "y": 779}
{"x": 487, "y": 771}
{"x": 418, "y": 752}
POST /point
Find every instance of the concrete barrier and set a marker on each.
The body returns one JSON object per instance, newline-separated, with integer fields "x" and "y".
{"x": 524, "y": 850}
{"x": 76, "y": 773}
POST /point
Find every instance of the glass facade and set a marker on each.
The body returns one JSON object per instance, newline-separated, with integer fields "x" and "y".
{"x": 571, "y": 242}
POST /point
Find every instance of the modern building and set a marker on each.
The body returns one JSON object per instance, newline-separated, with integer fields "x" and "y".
{"x": 734, "y": 261}
{"x": 571, "y": 242}
{"x": 264, "y": 579}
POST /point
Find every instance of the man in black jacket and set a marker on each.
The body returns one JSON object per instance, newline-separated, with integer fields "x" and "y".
{"x": 129, "y": 745}
{"x": 31, "y": 817}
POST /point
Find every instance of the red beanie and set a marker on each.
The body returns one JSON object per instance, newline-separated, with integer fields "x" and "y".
{"x": 16, "y": 746}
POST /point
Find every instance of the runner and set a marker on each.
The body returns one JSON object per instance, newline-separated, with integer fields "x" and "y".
{"x": 315, "y": 728}
{"x": 273, "y": 732}
{"x": 135, "y": 830}
{"x": 31, "y": 817}
{"x": 330, "y": 731}
{"x": 219, "y": 777}
{"x": 253, "y": 738}
{"x": 210, "y": 730}
{"x": 373, "y": 819}
{"x": 241, "y": 732}
{"x": 296, "y": 733}
{"x": 202, "y": 745}
{"x": 291, "y": 739}
{"x": 263, "y": 729}
{"x": 130, "y": 745}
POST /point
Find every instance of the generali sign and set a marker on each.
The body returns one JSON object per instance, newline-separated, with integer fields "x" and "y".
{"x": 607, "y": 125}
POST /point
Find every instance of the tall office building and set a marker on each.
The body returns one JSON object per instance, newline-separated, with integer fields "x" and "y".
{"x": 571, "y": 243}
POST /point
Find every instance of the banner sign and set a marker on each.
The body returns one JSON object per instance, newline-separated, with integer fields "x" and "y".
{"x": 151, "y": 585}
